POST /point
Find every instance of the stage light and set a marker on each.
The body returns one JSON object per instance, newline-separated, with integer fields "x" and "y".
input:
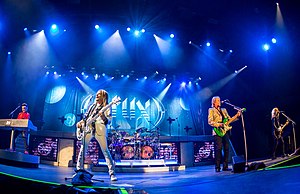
{"x": 54, "y": 29}
{"x": 9, "y": 53}
{"x": 230, "y": 51}
{"x": 25, "y": 29}
{"x": 208, "y": 44}
{"x": 266, "y": 47}
{"x": 156, "y": 72}
{"x": 97, "y": 27}
{"x": 128, "y": 76}
{"x": 172, "y": 35}
{"x": 145, "y": 77}
{"x": 136, "y": 33}
{"x": 128, "y": 29}
{"x": 274, "y": 40}
{"x": 183, "y": 84}
{"x": 143, "y": 30}
{"x": 190, "y": 42}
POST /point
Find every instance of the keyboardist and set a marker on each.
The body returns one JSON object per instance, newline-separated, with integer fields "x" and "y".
{"x": 24, "y": 114}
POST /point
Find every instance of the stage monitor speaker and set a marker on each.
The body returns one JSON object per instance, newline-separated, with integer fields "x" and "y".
{"x": 238, "y": 163}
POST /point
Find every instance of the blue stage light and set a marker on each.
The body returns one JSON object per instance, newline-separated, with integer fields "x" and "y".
{"x": 266, "y": 47}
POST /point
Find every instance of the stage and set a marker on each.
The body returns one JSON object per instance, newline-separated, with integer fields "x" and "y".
{"x": 278, "y": 176}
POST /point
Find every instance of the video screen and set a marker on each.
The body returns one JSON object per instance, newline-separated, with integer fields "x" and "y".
{"x": 204, "y": 152}
{"x": 45, "y": 147}
{"x": 169, "y": 151}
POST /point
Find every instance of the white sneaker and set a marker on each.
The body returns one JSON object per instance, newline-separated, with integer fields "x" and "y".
{"x": 113, "y": 177}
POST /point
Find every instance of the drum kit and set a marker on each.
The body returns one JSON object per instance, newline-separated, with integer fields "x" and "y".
{"x": 143, "y": 144}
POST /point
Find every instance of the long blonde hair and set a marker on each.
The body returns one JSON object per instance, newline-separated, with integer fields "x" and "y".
{"x": 274, "y": 112}
{"x": 104, "y": 96}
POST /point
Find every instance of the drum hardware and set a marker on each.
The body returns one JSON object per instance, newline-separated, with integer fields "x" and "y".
{"x": 170, "y": 120}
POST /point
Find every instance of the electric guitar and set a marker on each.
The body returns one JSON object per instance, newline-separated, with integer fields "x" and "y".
{"x": 88, "y": 125}
{"x": 279, "y": 132}
{"x": 221, "y": 131}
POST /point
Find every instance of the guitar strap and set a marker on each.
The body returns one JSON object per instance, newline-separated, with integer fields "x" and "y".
{"x": 220, "y": 111}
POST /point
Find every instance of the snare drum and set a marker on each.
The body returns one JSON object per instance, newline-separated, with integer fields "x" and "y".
{"x": 147, "y": 152}
{"x": 127, "y": 152}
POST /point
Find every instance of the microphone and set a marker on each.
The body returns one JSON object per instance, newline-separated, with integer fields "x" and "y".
{"x": 243, "y": 109}
{"x": 224, "y": 101}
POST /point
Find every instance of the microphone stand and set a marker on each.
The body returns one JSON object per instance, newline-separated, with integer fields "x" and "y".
{"x": 293, "y": 123}
{"x": 12, "y": 112}
{"x": 12, "y": 134}
{"x": 244, "y": 130}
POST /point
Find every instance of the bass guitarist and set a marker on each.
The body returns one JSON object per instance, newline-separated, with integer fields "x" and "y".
{"x": 277, "y": 130}
{"x": 98, "y": 129}
{"x": 217, "y": 118}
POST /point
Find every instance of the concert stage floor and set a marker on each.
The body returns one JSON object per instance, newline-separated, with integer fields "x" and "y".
{"x": 201, "y": 179}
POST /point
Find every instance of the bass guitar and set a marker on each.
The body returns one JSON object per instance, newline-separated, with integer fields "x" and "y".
{"x": 221, "y": 131}
{"x": 88, "y": 126}
{"x": 278, "y": 133}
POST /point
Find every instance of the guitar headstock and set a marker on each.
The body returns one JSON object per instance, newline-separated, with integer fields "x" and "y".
{"x": 116, "y": 100}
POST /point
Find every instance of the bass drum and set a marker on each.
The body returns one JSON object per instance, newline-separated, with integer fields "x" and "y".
{"x": 127, "y": 152}
{"x": 147, "y": 152}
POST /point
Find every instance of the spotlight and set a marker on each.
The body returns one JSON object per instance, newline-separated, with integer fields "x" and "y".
{"x": 172, "y": 35}
{"x": 230, "y": 51}
{"x": 266, "y": 47}
{"x": 128, "y": 29}
{"x": 25, "y": 29}
{"x": 183, "y": 84}
{"x": 54, "y": 29}
{"x": 190, "y": 42}
{"x": 143, "y": 30}
{"x": 9, "y": 53}
{"x": 136, "y": 33}
{"x": 208, "y": 44}
{"x": 97, "y": 27}
{"x": 274, "y": 40}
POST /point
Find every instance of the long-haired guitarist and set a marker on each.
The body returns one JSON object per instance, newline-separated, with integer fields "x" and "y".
{"x": 98, "y": 128}
{"x": 218, "y": 118}
{"x": 277, "y": 130}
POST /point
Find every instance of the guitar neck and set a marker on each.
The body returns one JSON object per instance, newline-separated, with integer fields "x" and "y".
{"x": 232, "y": 119}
